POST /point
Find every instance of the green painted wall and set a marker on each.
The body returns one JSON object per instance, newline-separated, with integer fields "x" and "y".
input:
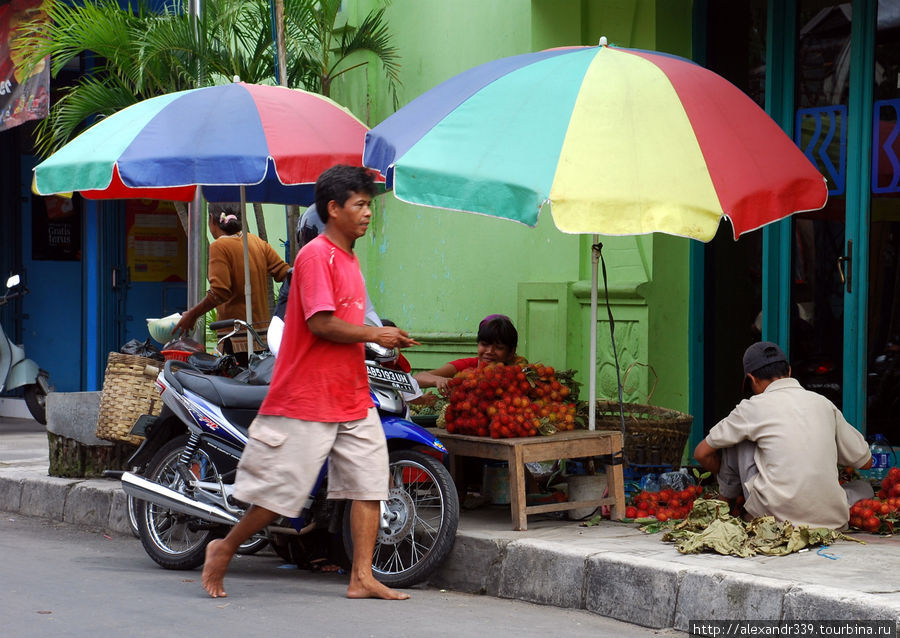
{"x": 437, "y": 273}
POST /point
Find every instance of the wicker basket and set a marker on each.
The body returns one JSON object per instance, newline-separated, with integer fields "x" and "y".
{"x": 653, "y": 435}
{"x": 128, "y": 392}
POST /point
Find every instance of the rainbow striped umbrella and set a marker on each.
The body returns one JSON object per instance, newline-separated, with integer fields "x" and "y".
{"x": 616, "y": 141}
{"x": 272, "y": 140}
{"x": 238, "y": 142}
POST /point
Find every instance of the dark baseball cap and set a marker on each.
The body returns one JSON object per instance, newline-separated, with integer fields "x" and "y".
{"x": 761, "y": 354}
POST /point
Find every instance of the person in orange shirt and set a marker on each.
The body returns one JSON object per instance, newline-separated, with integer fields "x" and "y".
{"x": 226, "y": 278}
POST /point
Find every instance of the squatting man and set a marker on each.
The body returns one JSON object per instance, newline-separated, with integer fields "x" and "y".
{"x": 781, "y": 448}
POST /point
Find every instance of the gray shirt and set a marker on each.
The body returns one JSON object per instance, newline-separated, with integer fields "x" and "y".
{"x": 801, "y": 438}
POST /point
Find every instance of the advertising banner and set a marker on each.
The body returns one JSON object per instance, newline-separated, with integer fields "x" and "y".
{"x": 55, "y": 228}
{"x": 157, "y": 247}
{"x": 21, "y": 98}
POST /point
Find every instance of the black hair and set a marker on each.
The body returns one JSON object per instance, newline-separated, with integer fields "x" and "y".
{"x": 497, "y": 329}
{"x": 338, "y": 182}
{"x": 227, "y": 216}
{"x": 774, "y": 370}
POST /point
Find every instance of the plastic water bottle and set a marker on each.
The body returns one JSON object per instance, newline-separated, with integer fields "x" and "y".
{"x": 882, "y": 457}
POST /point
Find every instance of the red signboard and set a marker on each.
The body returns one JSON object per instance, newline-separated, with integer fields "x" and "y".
{"x": 21, "y": 98}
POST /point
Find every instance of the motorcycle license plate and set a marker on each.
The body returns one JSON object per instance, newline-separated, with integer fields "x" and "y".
{"x": 391, "y": 378}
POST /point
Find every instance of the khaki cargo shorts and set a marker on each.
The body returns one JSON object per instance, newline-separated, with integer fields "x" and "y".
{"x": 283, "y": 456}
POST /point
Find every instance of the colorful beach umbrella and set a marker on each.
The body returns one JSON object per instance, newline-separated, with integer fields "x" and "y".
{"x": 616, "y": 141}
{"x": 272, "y": 140}
{"x": 238, "y": 142}
{"x": 613, "y": 141}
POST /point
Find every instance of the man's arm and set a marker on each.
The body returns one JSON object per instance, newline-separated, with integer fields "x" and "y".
{"x": 708, "y": 457}
{"x": 326, "y": 326}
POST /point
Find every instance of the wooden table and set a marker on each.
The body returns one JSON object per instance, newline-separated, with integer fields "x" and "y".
{"x": 518, "y": 451}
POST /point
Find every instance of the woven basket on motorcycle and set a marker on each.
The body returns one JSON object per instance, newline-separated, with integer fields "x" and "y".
{"x": 653, "y": 435}
{"x": 129, "y": 390}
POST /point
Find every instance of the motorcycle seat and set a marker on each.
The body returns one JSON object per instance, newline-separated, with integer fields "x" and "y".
{"x": 223, "y": 391}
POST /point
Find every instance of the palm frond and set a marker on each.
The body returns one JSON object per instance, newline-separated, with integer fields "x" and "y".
{"x": 374, "y": 36}
{"x": 100, "y": 27}
{"x": 138, "y": 53}
{"x": 88, "y": 98}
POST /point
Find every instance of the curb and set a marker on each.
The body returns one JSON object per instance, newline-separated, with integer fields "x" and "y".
{"x": 91, "y": 502}
{"x": 627, "y": 587}
{"x": 642, "y": 591}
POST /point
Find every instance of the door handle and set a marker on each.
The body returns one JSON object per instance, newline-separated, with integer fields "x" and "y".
{"x": 846, "y": 279}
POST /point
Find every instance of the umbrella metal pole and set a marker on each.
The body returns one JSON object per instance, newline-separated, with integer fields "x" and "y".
{"x": 592, "y": 391}
{"x": 247, "y": 296}
{"x": 196, "y": 244}
{"x": 596, "y": 248}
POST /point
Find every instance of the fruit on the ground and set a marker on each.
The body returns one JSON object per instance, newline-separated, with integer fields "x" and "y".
{"x": 879, "y": 516}
{"x": 666, "y": 504}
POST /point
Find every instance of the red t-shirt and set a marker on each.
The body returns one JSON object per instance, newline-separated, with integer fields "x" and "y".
{"x": 465, "y": 364}
{"x": 316, "y": 379}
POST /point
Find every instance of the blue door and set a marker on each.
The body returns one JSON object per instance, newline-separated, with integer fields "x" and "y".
{"x": 52, "y": 262}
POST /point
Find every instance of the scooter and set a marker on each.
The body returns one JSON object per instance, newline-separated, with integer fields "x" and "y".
{"x": 18, "y": 372}
{"x": 184, "y": 492}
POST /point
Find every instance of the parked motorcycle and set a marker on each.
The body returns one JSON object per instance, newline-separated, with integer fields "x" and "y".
{"x": 189, "y": 460}
{"x": 218, "y": 364}
{"x": 18, "y": 372}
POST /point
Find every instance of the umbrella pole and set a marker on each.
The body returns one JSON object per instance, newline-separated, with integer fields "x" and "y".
{"x": 197, "y": 247}
{"x": 247, "y": 295}
{"x": 597, "y": 256}
{"x": 592, "y": 384}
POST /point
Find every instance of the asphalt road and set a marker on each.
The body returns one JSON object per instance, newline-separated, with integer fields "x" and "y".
{"x": 64, "y": 581}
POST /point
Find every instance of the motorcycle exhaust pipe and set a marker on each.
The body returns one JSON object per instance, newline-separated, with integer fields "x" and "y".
{"x": 141, "y": 488}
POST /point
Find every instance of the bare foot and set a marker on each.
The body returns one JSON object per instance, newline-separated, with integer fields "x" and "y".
{"x": 371, "y": 588}
{"x": 217, "y": 559}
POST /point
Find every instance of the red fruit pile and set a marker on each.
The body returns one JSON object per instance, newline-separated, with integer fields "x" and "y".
{"x": 663, "y": 505}
{"x": 890, "y": 484}
{"x": 879, "y": 515}
{"x": 509, "y": 401}
{"x": 875, "y": 515}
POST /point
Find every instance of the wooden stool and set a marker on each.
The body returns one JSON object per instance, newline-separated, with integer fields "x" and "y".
{"x": 518, "y": 451}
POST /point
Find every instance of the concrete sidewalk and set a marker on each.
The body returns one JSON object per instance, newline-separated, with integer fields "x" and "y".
{"x": 612, "y": 569}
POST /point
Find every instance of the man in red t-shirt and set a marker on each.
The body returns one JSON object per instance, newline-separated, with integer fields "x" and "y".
{"x": 318, "y": 406}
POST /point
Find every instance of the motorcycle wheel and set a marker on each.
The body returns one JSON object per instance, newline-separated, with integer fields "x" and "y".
{"x": 174, "y": 540}
{"x": 133, "y": 504}
{"x": 36, "y": 402}
{"x": 252, "y": 545}
{"x": 425, "y": 509}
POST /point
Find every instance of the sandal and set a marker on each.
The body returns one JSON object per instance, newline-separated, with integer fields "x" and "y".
{"x": 323, "y": 566}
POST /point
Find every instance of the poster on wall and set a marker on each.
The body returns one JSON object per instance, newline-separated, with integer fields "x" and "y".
{"x": 21, "y": 98}
{"x": 55, "y": 228}
{"x": 156, "y": 245}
